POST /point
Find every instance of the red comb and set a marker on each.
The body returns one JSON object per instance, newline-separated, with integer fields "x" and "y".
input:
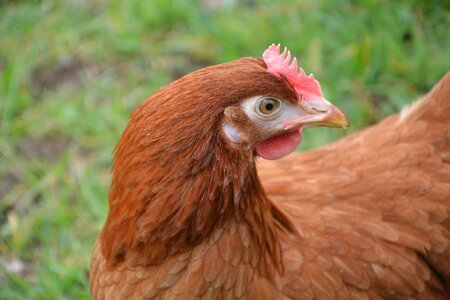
{"x": 280, "y": 65}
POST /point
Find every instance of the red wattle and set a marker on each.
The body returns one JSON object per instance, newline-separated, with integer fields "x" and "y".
{"x": 279, "y": 146}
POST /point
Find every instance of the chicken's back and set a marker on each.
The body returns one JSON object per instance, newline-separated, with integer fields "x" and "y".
{"x": 372, "y": 210}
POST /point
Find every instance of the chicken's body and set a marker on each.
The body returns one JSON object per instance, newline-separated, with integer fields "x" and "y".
{"x": 364, "y": 218}
{"x": 372, "y": 210}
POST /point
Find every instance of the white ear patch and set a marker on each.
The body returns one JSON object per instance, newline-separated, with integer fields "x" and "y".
{"x": 232, "y": 133}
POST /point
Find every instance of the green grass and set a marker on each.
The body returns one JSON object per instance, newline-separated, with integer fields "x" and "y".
{"x": 72, "y": 71}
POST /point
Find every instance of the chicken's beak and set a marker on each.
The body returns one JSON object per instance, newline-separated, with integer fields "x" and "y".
{"x": 319, "y": 112}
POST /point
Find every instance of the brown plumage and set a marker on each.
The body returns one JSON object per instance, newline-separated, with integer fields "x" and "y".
{"x": 193, "y": 215}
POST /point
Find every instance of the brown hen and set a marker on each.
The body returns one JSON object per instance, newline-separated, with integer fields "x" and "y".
{"x": 192, "y": 215}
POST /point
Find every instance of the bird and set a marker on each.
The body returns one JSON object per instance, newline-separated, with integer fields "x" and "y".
{"x": 209, "y": 200}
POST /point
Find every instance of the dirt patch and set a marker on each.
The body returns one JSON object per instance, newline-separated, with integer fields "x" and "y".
{"x": 9, "y": 180}
{"x": 47, "y": 148}
{"x": 378, "y": 100}
{"x": 69, "y": 70}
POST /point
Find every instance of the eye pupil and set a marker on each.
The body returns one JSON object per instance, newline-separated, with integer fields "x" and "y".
{"x": 268, "y": 106}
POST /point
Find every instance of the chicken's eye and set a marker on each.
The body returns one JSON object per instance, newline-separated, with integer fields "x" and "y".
{"x": 268, "y": 106}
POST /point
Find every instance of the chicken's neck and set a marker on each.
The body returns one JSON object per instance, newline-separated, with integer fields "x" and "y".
{"x": 164, "y": 203}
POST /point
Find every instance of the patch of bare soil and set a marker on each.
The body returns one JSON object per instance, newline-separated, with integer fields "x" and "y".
{"x": 48, "y": 148}
{"x": 69, "y": 70}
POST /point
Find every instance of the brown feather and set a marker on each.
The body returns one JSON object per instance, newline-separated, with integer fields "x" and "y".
{"x": 363, "y": 218}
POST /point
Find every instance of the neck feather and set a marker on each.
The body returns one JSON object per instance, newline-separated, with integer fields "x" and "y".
{"x": 168, "y": 196}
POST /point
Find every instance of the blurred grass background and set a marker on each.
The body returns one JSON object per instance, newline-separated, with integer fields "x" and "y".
{"x": 72, "y": 71}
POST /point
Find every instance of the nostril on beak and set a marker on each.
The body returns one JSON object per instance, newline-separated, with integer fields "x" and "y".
{"x": 316, "y": 106}
{"x": 319, "y": 109}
